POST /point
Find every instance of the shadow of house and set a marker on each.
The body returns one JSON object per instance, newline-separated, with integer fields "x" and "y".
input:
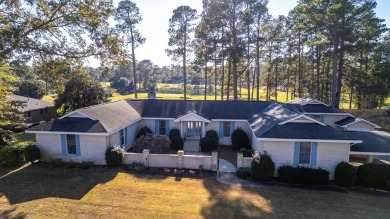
{"x": 40, "y": 181}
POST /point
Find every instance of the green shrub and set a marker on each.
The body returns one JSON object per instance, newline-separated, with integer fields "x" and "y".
{"x": 206, "y": 144}
{"x": 156, "y": 144}
{"x": 177, "y": 143}
{"x": 213, "y": 135}
{"x": 243, "y": 172}
{"x": 247, "y": 152}
{"x": 239, "y": 139}
{"x": 303, "y": 175}
{"x": 12, "y": 156}
{"x": 143, "y": 131}
{"x": 345, "y": 174}
{"x": 173, "y": 133}
{"x": 114, "y": 156}
{"x": 32, "y": 153}
{"x": 373, "y": 175}
{"x": 262, "y": 167}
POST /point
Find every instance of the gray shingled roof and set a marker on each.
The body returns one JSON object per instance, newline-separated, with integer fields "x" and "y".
{"x": 241, "y": 110}
{"x": 269, "y": 117}
{"x": 346, "y": 121}
{"x": 314, "y": 108}
{"x": 306, "y": 131}
{"x": 375, "y": 141}
{"x": 31, "y": 103}
{"x": 113, "y": 115}
{"x": 71, "y": 124}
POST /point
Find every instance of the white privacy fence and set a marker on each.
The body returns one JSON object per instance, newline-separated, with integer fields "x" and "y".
{"x": 178, "y": 160}
{"x": 243, "y": 162}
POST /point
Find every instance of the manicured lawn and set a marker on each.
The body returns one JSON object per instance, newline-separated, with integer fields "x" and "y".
{"x": 40, "y": 192}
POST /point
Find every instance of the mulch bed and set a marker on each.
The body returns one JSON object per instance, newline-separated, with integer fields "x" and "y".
{"x": 174, "y": 172}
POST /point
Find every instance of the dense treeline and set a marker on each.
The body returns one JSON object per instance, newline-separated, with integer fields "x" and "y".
{"x": 332, "y": 50}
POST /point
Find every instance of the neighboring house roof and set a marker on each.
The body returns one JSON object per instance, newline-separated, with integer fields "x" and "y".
{"x": 374, "y": 141}
{"x": 31, "y": 103}
{"x": 71, "y": 124}
{"x": 351, "y": 120}
{"x": 307, "y": 131}
{"x": 229, "y": 110}
{"x": 315, "y": 108}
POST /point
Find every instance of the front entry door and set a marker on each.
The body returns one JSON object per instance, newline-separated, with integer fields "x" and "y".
{"x": 194, "y": 129}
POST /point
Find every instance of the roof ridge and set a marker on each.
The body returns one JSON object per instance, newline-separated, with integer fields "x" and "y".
{"x": 100, "y": 104}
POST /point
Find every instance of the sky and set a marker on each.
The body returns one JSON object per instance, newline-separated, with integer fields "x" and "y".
{"x": 156, "y": 14}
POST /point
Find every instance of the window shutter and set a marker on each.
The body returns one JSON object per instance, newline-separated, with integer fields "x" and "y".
{"x": 63, "y": 145}
{"x": 119, "y": 137}
{"x": 77, "y": 138}
{"x": 126, "y": 136}
{"x": 156, "y": 123}
{"x": 232, "y": 127}
{"x": 220, "y": 129}
{"x": 321, "y": 118}
{"x": 296, "y": 153}
{"x": 167, "y": 127}
{"x": 313, "y": 154}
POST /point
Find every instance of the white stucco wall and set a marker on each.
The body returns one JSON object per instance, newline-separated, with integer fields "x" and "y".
{"x": 360, "y": 126}
{"x": 328, "y": 154}
{"x": 146, "y": 123}
{"x": 92, "y": 148}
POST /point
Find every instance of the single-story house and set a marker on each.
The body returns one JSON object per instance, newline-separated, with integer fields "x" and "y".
{"x": 296, "y": 133}
{"x": 36, "y": 110}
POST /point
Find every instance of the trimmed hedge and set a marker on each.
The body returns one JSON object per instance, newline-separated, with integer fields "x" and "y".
{"x": 114, "y": 156}
{"x": 345, "y": 174}
{"x": 173, "y": 133}
{"x": 177, "y": 143}
{"x": 262, "y": 167}
{"x": 373, "y": 175}
{"x": 247, "y": 152}
{"x": 32, "y": 153}
{"x": 143, "y": 131}
{"x": 206, "y": 144}
{"x": 303, "y": 175}
{"x": 213, "y": 135}
{"x": 239, "y": 139}
{"x": 243, "y": 172}
{"x": 17, "y": 154}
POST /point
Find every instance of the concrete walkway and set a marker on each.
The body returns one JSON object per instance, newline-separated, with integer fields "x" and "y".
{"x": 226, "y": 167}
{"x": 191, "y": 145}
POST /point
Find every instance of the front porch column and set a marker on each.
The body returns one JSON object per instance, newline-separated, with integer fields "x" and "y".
{"x": 203, "y": 129}
{"x": 181, "y": 129}
{"x": 370, "y": 159}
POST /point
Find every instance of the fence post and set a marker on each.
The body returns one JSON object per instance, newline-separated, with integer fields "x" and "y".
{"x": 240, "y": 158}
{"x": 180, "y": 159}
{"x": 145, "y": 156}
{"x": 214, "y": 161}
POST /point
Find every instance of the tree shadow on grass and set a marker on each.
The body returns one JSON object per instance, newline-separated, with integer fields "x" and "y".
{"x": 40, "y": 181}
{"x": 9, "y": 214}
{"x": 226, "y": 202}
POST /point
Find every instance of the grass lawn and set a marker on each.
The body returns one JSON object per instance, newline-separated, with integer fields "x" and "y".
{"x": 40, "y": 192}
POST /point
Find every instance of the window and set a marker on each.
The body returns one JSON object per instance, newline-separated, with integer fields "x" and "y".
{"x": 304, "y": 153}
{"x": 162, "y": 127}
{"x": 71, "y": 144}
{"x": 122, "y": 136}
{"x": 226, "y": 129}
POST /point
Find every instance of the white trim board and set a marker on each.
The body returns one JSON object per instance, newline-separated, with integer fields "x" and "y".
{"x": 368, "y": 153}
{"x": 201, "y": 118}
{"x": 76, "y": 111}
{"x": 310, "y": 140}
{"x": 360, "y": 120}
{"x": 297, "y": 119}
{"x": 66, "y": 133}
